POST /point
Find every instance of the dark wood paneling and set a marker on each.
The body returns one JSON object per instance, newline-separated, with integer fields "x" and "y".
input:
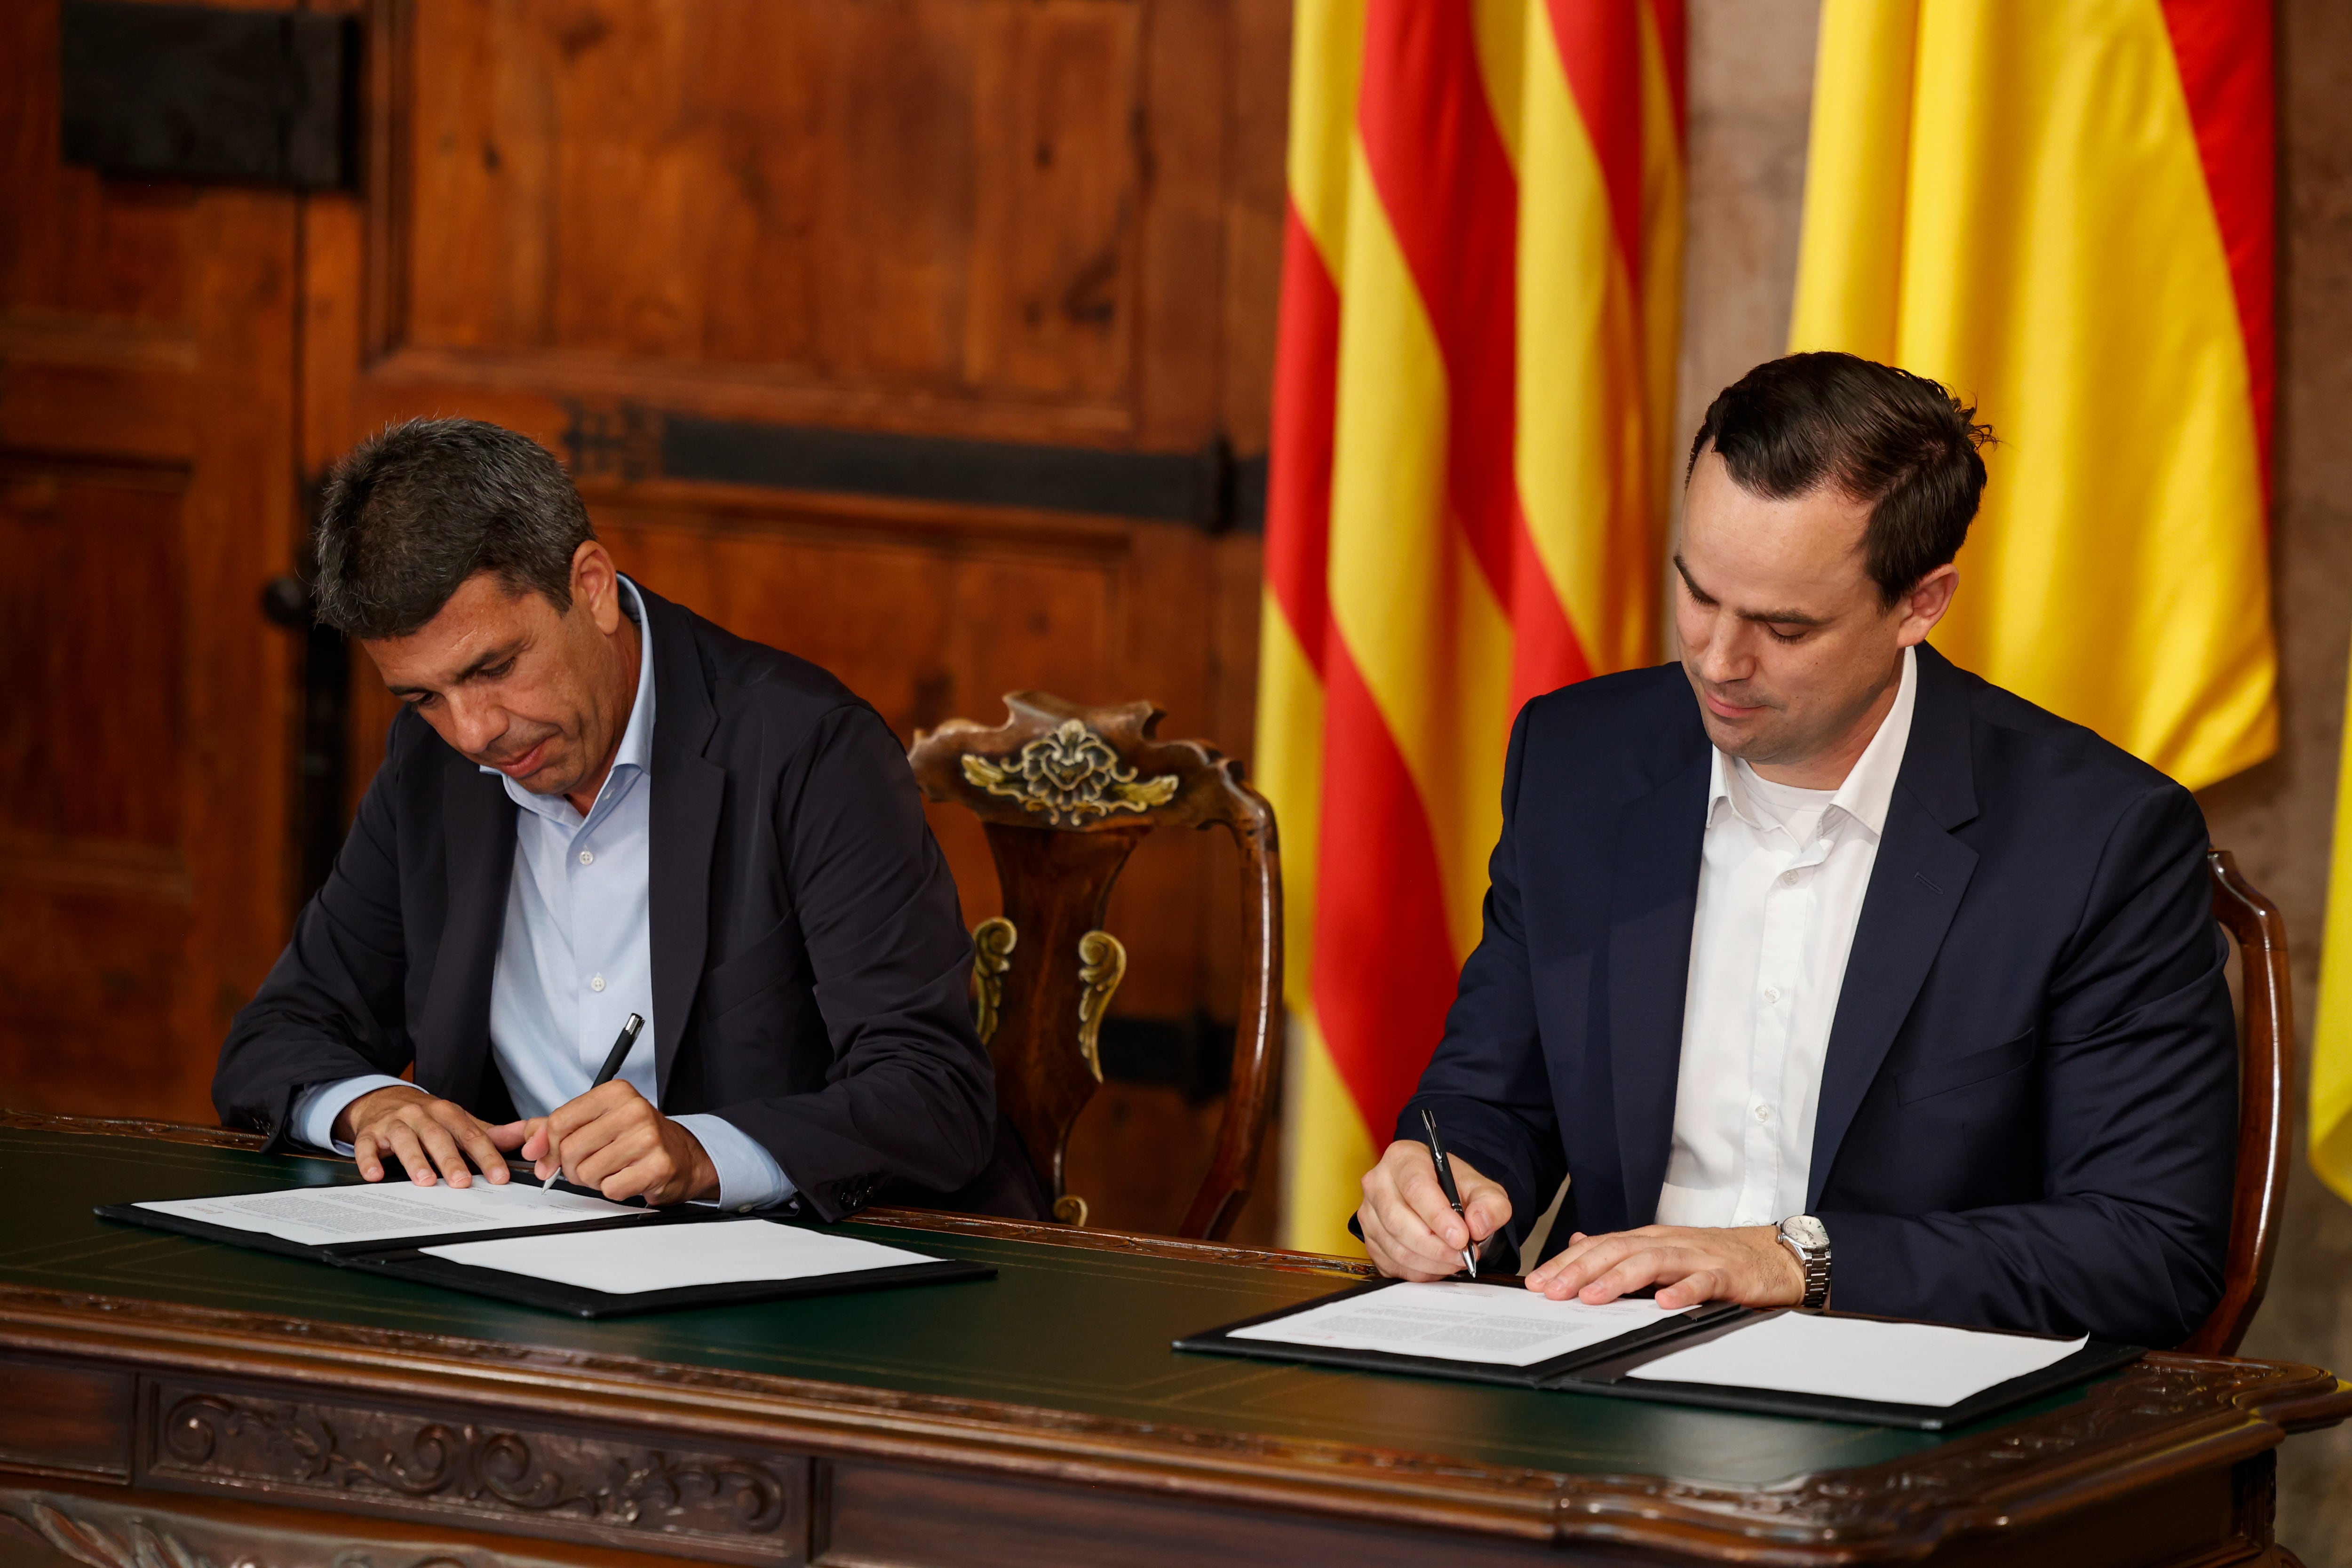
{"x": 90, "y": 632}
{"x": 941, "y": 194}
{"x": 147, "y": 491}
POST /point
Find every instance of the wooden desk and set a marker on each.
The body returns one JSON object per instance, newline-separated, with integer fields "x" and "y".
{"x": 232, "y": 1406}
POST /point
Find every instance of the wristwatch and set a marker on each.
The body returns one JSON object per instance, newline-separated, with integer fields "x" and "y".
{"x": 1808, "y": 1239}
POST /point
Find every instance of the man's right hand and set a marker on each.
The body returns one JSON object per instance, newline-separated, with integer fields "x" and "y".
{"x": 1409, "y": 1229}
{"x": 424, "y": 1134}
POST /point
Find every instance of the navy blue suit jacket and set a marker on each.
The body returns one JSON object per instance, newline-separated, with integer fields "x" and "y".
{"x": 810, "y": 964}
{"x": 2028, "y": 1112}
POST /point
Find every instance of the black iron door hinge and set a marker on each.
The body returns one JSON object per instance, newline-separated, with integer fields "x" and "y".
{"x": 198, "y": 92}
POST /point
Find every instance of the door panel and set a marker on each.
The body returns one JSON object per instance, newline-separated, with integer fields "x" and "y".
{"x": 933, "y": 192}
{"x": 918, "y": 214}
{"x": 147, "y": 490}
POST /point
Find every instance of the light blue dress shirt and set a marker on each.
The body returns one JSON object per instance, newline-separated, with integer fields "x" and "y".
{"x": 576, "y": 959}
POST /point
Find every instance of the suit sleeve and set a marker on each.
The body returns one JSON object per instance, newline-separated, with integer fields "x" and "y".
{"x": 331, "y": 1006}
{"x": 1488, "y": 1083}
{"x": 911, "y": 1092}
{"x": 2138, "y": 1128}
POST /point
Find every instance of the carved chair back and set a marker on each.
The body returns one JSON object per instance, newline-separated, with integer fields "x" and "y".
{"x": 1065, "y": 794}
{"x": 2265, "y": 1073}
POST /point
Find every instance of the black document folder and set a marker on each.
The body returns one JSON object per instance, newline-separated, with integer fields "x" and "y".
{"x": 404, "y": 1257}
{"x": 1605, "y": 1368}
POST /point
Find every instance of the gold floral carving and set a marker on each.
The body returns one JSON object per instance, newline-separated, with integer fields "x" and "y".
{"x": 1068, "y": 776}
{"x": 1102, "y": 964}
{"x": 992, "y": 958}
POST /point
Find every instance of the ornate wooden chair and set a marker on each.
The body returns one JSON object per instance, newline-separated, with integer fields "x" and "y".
{"x": 1065, "y": 794}
{"x": 2266, "y": 1080}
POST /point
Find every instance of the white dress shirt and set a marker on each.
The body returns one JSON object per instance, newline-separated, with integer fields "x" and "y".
{"x": 1781, "y": 887}
{"x": 575, "y": 957}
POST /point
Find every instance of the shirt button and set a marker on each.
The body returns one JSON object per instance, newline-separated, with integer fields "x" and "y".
{"x": 597, "y": 984}
{"x": 1788, "y": 879}
{"x": 1770, "y": 994}
{"x": 1763, "y": 1114}
{"x": 587, "y": 857}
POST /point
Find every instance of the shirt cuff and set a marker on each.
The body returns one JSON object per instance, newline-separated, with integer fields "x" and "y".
{"x": 748, "y": 1176}
{"x": 316, "y": 1108}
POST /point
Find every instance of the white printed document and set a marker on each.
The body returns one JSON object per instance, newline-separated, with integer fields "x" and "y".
{"x": 1855, "y": 1358}
{"x": 680, "y": 1256}
{"x": 1500, "y": 1325}
{"x": 390, "y": 1211}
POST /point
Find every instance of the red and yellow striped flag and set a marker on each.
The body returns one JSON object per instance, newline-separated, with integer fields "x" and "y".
{"x": 2061, "y": 210}
{"x": 1472, "y": 455}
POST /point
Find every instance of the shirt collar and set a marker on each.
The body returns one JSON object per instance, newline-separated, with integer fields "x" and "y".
{"x": 637, "y": 737}
{"x": 637, "y": 748}
{"x": 1869, "y": 787}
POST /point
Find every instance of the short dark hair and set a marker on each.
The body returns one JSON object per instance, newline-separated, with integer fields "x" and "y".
{"x": 411, "y": 513}
{"x": 1896, "y": 442}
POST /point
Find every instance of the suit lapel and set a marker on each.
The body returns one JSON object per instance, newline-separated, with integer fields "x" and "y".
{"x": 688, "y": 790}
{"x": 453, "y": 1035}
{"x": 1915, "y": 886}
{"x": 1653, "y": 895}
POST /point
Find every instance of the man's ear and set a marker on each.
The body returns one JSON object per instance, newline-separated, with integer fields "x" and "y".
{"x": 1926, "y": 605}
{"x": 596, "y": 584}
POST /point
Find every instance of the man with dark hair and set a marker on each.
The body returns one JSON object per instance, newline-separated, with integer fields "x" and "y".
{"x": 1824, "y": 970}
{"x": 595, "y": 803}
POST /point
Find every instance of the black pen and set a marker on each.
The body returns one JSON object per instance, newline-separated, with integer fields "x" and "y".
{"x": 612, "y": 1068}
{"x": 1446, "y": 1181}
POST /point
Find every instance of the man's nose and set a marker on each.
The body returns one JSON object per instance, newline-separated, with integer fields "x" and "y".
{"x": 475, "y": 726}
{"x": 1726, "y": 657}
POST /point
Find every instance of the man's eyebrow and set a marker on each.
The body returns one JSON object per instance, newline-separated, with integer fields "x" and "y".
{"x": 1766, "y": 617}
{"x": 495, "y": 656}
{"x": 499, "y": 655}
{"x": 1689, "y": 582}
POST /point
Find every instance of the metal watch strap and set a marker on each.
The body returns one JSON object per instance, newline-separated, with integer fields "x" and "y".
{"x": 1814, "y": 1261}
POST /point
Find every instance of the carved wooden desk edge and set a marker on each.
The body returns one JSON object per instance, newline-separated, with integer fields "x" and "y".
{"x": 2169, "y": 1417}
{"x": 134, "y": 1127}
{"x": 2166, "y": 1418}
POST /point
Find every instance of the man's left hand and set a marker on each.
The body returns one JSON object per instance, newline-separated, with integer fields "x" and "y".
{"x": 612, "y": 1139}
{"x": 1748, "y": 1265}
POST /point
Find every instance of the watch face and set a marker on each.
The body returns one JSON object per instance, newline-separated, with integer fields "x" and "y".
{"x": 1806, "y": 1231}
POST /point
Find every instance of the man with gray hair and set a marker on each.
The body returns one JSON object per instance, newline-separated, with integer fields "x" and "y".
{"x": 594, "y": 803}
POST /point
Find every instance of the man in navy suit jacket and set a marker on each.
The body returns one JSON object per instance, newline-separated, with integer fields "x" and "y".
{"x": 594, "y": 803}
{"x": 1822, "y": 969}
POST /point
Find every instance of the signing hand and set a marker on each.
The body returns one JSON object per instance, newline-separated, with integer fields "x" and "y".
{"x": 1748, "y": 1265}
{"x": 422, "y": 1132}
{"x": 1409, "y": 1229}
{"x": 612, "y": 1139}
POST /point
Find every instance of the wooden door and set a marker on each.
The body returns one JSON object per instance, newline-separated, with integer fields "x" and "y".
{"x": 927, "y": 339}
{"x": 148, "y": 489}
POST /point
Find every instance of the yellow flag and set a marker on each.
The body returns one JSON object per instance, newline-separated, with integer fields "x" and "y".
{"x": 2331, "y": 1034}
{"x": 2061, "y": 210}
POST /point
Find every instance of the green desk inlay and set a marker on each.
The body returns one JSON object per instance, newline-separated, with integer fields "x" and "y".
{"x": 1063, "y": 1328}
